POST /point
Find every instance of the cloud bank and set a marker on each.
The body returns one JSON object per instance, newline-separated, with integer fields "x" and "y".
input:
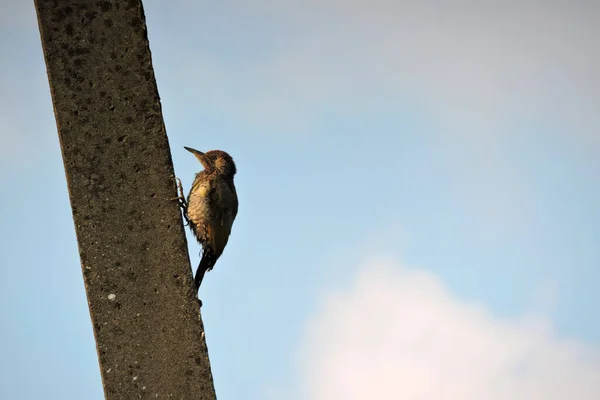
{"x": 398, "y": 333}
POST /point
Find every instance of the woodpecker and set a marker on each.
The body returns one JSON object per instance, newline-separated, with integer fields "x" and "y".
{"x": 211, "y": 206}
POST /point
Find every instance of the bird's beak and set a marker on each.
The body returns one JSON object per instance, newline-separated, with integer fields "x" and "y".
{"x": 199, "y": 155}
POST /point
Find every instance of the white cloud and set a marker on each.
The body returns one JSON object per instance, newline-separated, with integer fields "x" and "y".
{"x": 398, "y": 333}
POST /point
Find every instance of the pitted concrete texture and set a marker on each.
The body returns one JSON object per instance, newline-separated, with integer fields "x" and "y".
{"x": 119, "y": 171}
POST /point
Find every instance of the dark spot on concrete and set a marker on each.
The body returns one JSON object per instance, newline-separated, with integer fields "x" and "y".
{"x": 136, "y": 22}
{"x": 79, "y": 50}
{"x": 69, "y": 29}
{"x": 105, "y": 6}
{"x": 91, "y": 15}
{"x": 108, "y": 22}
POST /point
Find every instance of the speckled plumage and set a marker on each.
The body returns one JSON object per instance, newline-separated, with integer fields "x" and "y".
{"x": 212, "y": 206}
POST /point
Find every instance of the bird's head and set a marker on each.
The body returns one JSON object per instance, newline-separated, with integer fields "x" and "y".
{"x": 215, "y": 160}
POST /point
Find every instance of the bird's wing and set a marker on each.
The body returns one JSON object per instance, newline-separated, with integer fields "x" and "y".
{"x": 223, "y": 206}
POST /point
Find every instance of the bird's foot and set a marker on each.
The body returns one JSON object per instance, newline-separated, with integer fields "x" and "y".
{"x": 181, "y": 201}
{"x": 180, "y": 188}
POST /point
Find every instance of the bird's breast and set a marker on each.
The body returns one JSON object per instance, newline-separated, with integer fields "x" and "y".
{"x": 212, "y": 201}
{"x": 199, "y": 209}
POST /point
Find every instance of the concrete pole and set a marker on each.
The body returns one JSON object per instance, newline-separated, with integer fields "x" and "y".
{"x": 134, "y": 257}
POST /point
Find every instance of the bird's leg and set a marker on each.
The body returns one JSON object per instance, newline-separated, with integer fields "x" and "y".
{"x": 181, "y": 200}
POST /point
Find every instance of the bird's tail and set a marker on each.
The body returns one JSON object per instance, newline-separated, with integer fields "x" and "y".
{"x": 206, "y": 263}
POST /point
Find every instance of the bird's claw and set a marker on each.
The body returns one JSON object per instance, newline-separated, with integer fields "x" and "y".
{"x": 180, "y": 188}
{"x": 181, "y": 201}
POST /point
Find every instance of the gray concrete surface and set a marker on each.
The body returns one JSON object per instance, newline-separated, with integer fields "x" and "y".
{"x": 133, "y": 250}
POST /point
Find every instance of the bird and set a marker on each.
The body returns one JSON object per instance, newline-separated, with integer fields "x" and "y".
{"x": 211, "y": 206}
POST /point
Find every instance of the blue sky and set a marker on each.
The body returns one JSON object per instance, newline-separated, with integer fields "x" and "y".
{"x": 418, "y": 199}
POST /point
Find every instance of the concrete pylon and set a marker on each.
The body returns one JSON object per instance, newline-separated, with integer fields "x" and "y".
{"x": 134, "y": 257}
